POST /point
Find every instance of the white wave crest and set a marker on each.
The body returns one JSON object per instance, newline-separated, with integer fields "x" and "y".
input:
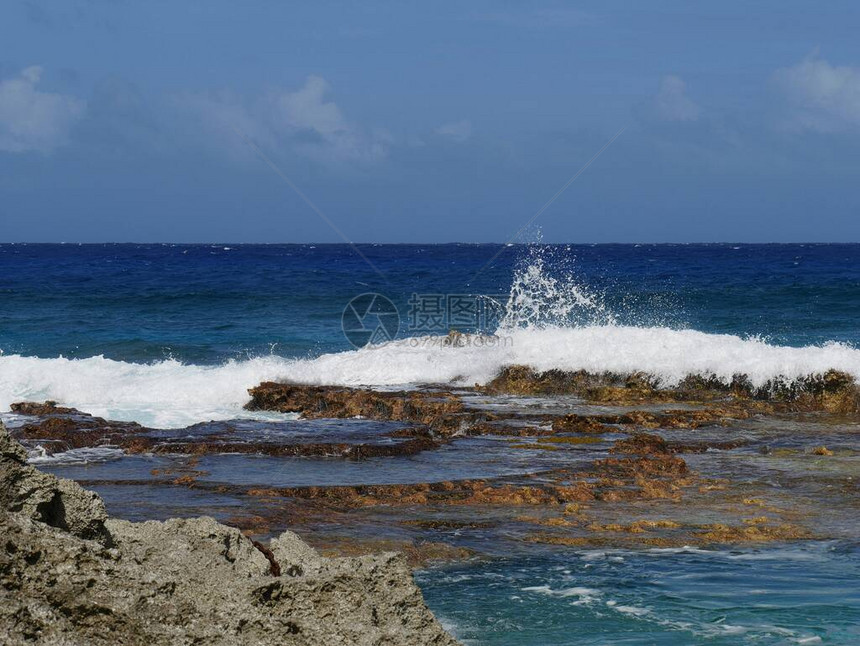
{"x": 172, "y": 394}
{"x": 667, "y": 354}
{"x": 166, "y": 394}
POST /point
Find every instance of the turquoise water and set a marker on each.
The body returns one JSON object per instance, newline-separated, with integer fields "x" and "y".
{"x": 780, "y": 594}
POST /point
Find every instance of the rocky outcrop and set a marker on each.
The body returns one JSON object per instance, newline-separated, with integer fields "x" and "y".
{"x": 71, "y": 575}
{"x": 832, "y": 391}
{"x": 437, "y": 410}
{"x": 55, "y": 429}
{"x": 41, "y": 497}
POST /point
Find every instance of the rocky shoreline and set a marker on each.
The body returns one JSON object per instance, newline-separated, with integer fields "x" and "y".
{"x": 529, "y": 463}
{"x": 69, "y": 574}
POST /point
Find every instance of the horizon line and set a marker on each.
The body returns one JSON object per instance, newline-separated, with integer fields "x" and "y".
{"x": 427, "y": 244}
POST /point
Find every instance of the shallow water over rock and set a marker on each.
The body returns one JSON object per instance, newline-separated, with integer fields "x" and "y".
{"x": 634, "y": 521}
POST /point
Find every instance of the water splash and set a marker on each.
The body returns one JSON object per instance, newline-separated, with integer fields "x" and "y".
{"x": 545, "y": 293}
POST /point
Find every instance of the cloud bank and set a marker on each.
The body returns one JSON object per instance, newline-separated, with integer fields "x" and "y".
{"x": 822, "y": 97}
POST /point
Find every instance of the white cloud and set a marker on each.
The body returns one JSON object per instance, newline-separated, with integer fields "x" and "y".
{"x": 458, "y": 131}
{"x": 822, "y": 97}
{"x": 34, "y": 120}
{"x": 303, "y": 120}
{"x": 672, "y": 102}
{"x": 308, "y": 109}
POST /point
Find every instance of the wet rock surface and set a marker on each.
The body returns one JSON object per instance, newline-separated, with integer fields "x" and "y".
{"x": 635, "y": 485}
{"x": 531, "y": 461}
{"x": 69, "y": 574}
{"x": 60, "y": 429}
{"x": 833, "y": 391}
{"x": 438, "y": 410}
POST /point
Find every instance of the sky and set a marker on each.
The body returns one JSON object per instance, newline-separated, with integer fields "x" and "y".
{"x": 270, "y": 121}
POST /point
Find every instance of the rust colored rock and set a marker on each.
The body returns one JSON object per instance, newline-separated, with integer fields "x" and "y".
{"x": 522, "y": 380}
{"x": 650, "y": 444}
{"x": 84, "y": 431}
{"x": 703, "y": 447}
{"x": 752, "y": 532}
{"x": 582, "y": 424}
{"x": 41, "y": 408}
{"x": 437, "y": 410}
{"x": 601, "y": 387}
{"x": 308, "y": 450}
{"x": 833, "y": 391}
{"x": 457, "y": 493}
{"x": 641, "y": 444}
{"x": 655, "y": 465}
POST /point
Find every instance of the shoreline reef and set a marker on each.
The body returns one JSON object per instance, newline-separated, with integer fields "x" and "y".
{"x": 71, "y": 574}
{"x": 532, "y": 460}
{"x": 606, "y": 461}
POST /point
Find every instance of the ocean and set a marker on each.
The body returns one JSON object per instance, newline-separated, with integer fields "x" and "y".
{"x": 172, "y": 335}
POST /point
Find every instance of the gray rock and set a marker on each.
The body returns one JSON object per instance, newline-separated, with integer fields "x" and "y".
{"x": 293, "y": 554}
{"x": 68, "y": 575}
{"x": 54, "y": 501}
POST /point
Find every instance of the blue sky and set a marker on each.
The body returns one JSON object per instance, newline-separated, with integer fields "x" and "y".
{"x": 429, "y": 122}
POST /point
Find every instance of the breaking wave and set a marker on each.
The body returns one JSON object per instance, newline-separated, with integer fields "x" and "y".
{"x": 550, "y": 322}
{"x": 165, "y": 394}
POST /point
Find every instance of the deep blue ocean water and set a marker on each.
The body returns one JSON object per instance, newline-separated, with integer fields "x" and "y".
{"x": 184, "y": 330}
{"x": 205, "y": 303}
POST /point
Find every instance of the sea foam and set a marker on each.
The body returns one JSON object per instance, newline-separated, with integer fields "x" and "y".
{"x": 173, "y": 394}
{"x": 166, "y": 394}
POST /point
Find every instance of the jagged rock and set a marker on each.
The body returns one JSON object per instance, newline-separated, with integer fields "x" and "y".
{"x": 293, "y": 553}
{"x": 642, "y": 444}
{"x": 54, "y": 501}
{"x": 183, "y": 581}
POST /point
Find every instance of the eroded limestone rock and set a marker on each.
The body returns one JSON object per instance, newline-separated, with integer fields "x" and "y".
{"x": 42, "y": 497}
